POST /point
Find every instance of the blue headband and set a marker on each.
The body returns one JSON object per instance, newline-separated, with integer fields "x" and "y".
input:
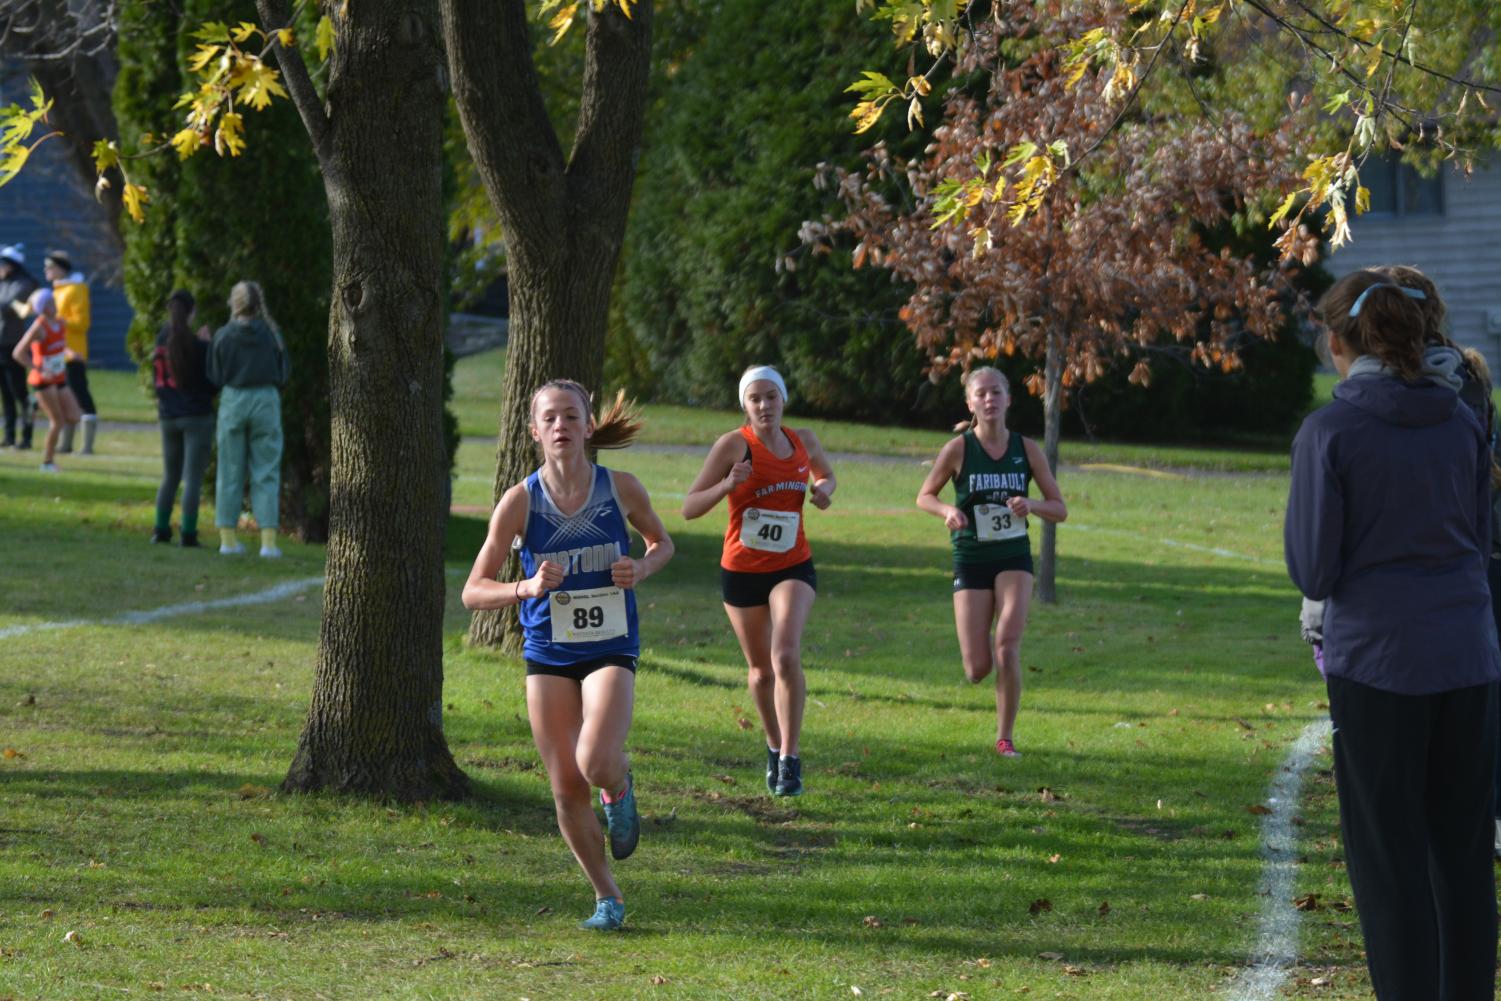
{"x": 1411, "y": 293}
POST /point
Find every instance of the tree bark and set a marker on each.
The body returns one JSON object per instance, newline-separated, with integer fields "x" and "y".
{"x": 1052, "y": 419}
{"x": 375, "y": 725}
{"x": 564, "y": 220}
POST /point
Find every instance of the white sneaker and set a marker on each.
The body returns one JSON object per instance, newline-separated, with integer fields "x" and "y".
{"x": 49, "y": 467}
{"x": 238, "y": 549}
{"x": 270, "y": 553}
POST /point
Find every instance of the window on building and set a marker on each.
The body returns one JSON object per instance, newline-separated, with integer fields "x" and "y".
{"x": 1398, "y": 189}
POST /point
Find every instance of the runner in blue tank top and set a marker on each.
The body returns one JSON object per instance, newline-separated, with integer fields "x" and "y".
{"x": 992, "y": 469}
{"x": 578, "y": 611}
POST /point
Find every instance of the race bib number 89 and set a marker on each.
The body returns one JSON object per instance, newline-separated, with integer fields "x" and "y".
{"x": 997, "y": 523}
{"x": 587, "y": 616}
{"x": 769, "y": 531}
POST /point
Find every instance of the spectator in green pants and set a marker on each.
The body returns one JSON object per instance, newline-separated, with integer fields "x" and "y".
{"x": 249, "y": 360}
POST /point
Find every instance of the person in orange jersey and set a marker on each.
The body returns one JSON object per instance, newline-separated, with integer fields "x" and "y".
{"x": 766, "y": 570}
{"x": 43, "y": 348}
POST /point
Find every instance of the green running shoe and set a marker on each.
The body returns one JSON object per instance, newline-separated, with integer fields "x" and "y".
{"x": 790, "y": 777}
{"x": 609, "y": 915}
{"x": 623, "y": 820}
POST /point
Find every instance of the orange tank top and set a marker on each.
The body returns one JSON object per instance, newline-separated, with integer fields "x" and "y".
{"x": 765, "y": 533}
{"x": 48, "y": 362}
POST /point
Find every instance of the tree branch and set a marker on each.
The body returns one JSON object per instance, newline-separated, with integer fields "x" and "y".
{"x": 299, "y": 83}
{"x": 511, "y": 139}
{"x": 612, "y": 109}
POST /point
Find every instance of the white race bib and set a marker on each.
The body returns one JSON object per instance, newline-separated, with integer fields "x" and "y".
{"x": 587, "y": 616}
{"x": 997, "y": 523}
{"x": 54, "y": 365}
{"x": 768, "y": 531}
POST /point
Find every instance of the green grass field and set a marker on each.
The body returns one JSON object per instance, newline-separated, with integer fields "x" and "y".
{"x": 1117, "y": 860}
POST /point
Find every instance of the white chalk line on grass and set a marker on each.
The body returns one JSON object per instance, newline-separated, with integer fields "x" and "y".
{"x": 1277, "y": 931}
{"x": 1175, "y": 544}
{"x": 277, "y": 593}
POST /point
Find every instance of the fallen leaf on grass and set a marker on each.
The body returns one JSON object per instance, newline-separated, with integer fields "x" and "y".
{"x": 73, "y": 938}
{"x": 1103, "y": 909}
{"x": 983, "y": 963}
{"x": 1051, "y": 957}
{"x": 1258, "y": 809}
{"x": 258, "y": 838}
{"x": 1053, "y": 858}
{"x": 855, "y": 990}
{"x": 1307, "y": 902}
{"x": 29, "y": 700}
{"x": 659, "y": 980}
{"x": 726, "y": 779}
{"x": 1039, "y": 905}
{"x": 47, "y": 914}
{"x": 544, "y": 910}
{"x": 11, "y": 753}
{"x": 1048, "y": 795}
{"x": 248, "y": 791}
{"x": 871, "y": 921}
{"x": 1198, "y": 896}
{"x": 743, "y": 723}
{"x": 910, "y": 921}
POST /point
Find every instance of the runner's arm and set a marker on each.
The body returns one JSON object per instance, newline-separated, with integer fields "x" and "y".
{"x": 20, "y": 354}
{"x": 824, "y": 483}
{"x": 482, "y": 591}
{"x": 945, "y": 468}
{"x": 1051, "y": 507}
{"x": 627, "y": 572}
{"x": 723, "y": 471}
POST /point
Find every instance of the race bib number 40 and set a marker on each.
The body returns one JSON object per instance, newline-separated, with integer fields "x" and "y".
{"x": 997, "y": 523}
{"x": 587, "y": 616}
{"x": 769, "y": 531}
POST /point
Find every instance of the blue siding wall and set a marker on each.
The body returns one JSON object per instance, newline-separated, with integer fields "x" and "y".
{"x": 50, "y": 207}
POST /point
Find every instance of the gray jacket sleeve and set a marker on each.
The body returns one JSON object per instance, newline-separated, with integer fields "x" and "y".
{"x": 1312, "y": 532}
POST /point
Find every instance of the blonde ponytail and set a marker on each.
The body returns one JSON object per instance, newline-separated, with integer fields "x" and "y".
{"x": 616, "y": 427}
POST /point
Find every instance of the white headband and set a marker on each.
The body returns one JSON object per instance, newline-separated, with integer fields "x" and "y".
{"x": 758, "y": 374}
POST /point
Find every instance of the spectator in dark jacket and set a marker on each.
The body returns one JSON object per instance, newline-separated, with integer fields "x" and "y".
{"x": 249, "y": 360}
{"x": 185, "y": 407}
{"x": 16, "y": 286}
{"x": 1388, "y": 522}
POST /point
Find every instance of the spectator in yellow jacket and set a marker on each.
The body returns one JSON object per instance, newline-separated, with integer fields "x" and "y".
{"x": 71, "y": 290}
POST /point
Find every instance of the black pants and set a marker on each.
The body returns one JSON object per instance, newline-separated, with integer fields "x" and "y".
{"x": 1494, "y": 576}
{"x": 13, "y": 391}
{"x": 1415, "y": 774}
{"x": 78, "y": 381}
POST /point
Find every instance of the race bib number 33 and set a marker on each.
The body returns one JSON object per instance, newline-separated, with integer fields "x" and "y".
{"x": 997, "y": 523}
{"x": 769, "y": 531}
{"x": 587, "y": 616}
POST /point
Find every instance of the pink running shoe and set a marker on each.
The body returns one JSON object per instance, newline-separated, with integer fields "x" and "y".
{"x": 1006, "y": 749}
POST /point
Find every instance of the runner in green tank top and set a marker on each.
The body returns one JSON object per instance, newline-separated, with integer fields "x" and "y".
{"x": 992, "y": 469}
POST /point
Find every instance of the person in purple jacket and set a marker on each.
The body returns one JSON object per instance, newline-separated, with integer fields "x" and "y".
{"x": 1388, "y": 523}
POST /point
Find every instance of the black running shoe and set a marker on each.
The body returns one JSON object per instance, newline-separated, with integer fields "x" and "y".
{"x": 773, "y": 769}
{"x": 790, "y": 777}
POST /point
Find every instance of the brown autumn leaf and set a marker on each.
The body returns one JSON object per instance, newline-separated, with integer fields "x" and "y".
{"x": 1051, "y": 957}
{"x": 1048, "y": 795}
{"x": 1307, "y": 902}
{"x": 11, "y": 753}
{"x": 1258, "y": 809}
{"x": 726, "y": 779}
{"x": 743, "y": 723}
{"x": 1053, "y": 859}
{"x": 1039, "y": 905}
{"x": 1075, "y": 971}
{"x": 249, "y": 791}
{"x": 258, "y": 838}
{"x": 871, "y": 921}
{"x": 1103, "y": 909}
{"x": 658, "y": 980}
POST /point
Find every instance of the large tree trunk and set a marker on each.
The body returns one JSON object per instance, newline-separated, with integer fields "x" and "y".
{"x": 564, "y": 220}
{"x": 1052, "y": 419}
{"x": 375, "y": 725}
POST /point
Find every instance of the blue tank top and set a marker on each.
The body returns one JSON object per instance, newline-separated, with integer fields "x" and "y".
{"x": 590, "y": 606}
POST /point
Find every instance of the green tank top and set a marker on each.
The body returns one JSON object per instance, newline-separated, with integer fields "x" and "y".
{"x": 981, "y": 488}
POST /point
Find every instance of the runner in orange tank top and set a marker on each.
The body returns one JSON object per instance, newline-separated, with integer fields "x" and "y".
{"x": 41, "y": 350}
{"x": 766, "y": 570}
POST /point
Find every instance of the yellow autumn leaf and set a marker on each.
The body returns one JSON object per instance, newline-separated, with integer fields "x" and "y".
{"x": 243, "y": 31}
{"x": 1362, "y": 200}
{"x": 230, "y": 136}
{"x": 205, "y": 55}
{"x": 866, "y": 114}
{"x": 106, "y": 155}
{"x": 135, "y": 197}
{"x": 186, "y": 143}
{"x": 261, "y": 83}
{"x": 561, "y": 22}
{"x": 625, "y": 7}
{"x": 287, "y": 37}
{"x": 324, "y": 38}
